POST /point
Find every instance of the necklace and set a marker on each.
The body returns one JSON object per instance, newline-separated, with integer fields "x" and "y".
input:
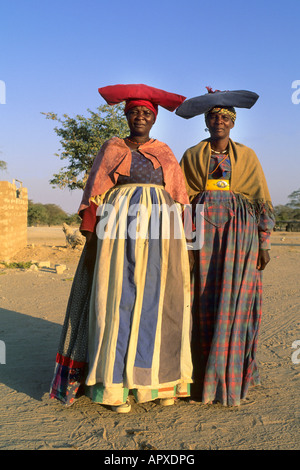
{"x": 216, "y": 151}
{"x": 136, "y": 143}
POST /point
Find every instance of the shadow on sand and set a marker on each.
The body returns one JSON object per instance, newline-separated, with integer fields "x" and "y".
{"x": 30, "y": 349}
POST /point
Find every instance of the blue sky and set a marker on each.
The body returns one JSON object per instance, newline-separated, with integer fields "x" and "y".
{"x": 55, "y": 55}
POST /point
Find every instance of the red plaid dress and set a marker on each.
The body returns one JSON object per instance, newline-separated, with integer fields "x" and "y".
{"x": 227, "y": 294}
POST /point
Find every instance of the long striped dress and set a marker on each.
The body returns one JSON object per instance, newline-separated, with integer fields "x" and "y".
{"x": 226, "y": 293}
{"x": 139, "y": 320}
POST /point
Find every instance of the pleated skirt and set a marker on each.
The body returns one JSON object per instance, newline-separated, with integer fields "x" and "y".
{"x": 226, "y": 300}
{"x": 70, "y": 369}
{"x": 140, "y": 316}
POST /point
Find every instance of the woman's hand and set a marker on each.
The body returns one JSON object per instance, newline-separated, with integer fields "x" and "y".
{"x": 262, "y": 259}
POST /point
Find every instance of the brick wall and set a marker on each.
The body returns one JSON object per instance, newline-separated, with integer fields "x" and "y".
{"x": 13, "y": 219}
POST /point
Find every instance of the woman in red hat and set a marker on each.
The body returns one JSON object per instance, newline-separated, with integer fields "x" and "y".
{"x": 135, "y": 333}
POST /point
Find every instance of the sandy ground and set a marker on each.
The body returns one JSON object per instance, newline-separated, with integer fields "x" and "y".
{"x": 32, "y": 310}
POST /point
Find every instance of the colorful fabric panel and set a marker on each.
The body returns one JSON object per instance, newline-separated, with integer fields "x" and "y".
{"x": 139, "y": 325}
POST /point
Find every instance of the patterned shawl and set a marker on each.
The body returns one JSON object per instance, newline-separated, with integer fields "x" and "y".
{"x": 247, "y": 176}
{"x": 114, "y": 159}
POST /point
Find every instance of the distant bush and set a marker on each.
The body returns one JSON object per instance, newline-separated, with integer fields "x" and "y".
{"x": 49, "y": 214}
{"x": 288, "y": 215}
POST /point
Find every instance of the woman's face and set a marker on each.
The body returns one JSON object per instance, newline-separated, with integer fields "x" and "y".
{"x": 219, "y": 125}
{"x": 140, "y": 120}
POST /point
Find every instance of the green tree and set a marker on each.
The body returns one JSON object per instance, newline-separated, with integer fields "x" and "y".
{"x": 289, "y": 214}
{"x": 3, "y": 165}
{"x": 81, "y": 139}
{"x": 37, "y": 214}
{"x": 294, "y": 198}
{"x": 283, "y": 212}
{"x": 49, "y": 214}
{"x": 56, "y": 215}
{"x": 73, "y": 219}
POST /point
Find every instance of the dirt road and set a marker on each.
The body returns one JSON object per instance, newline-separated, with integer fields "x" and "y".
{"x": 32, "y": 308}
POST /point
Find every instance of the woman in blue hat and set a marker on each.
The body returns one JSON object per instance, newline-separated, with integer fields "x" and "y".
{"x": 232, "y": 206}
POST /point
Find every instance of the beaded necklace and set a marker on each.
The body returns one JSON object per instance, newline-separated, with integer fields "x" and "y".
{"x": 137, "y": 143}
